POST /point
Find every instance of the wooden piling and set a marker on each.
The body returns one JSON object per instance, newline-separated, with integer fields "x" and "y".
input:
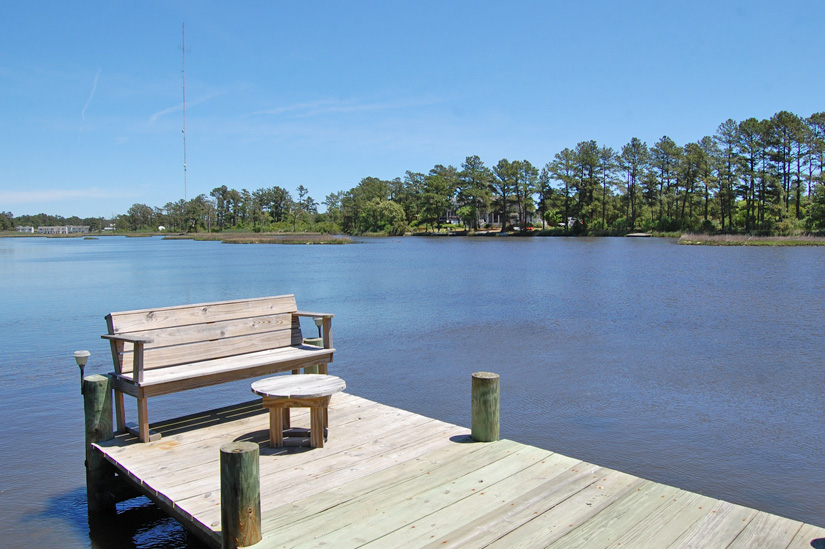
{"x": 240, "y": 495}
{"x": 97, "y": 409}
{"x": 485, "y": 407}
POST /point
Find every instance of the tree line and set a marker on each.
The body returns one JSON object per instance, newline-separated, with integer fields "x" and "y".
{"x": 8, "y": 221}
{"x": 265, "y": 209}
{"x": 754, "y": 176}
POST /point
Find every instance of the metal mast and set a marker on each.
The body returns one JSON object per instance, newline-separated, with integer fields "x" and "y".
{"x": 183, "y": 51}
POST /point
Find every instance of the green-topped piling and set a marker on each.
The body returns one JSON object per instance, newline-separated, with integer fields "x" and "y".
{"x": 240, "y": 495}
{"x": 485, "y": 407}
{"x": 97, "y": 409}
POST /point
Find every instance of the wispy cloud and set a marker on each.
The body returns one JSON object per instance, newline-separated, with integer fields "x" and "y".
{"x": 179, "y": 107}
{"x": 164, "y": 112}
{"x": 91, "y": 94}
{"x": 57, "y": 195}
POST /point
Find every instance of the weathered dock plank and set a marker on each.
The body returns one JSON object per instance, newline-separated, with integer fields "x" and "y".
{"x": 619, "y": 517}
{"x": 667, "y": 521}
{"x": 804, "y": 538}
{"x": 489, "y": 502}
{"x": 717, "y": 528}
{"x": 390, "y": 478}
{"x": 518, "y": 507}
{"x": 767, "y": 530}
{"x": 548, "y": 526}
{"x": 362, "y": 520}
{"x": 395, "y": 477}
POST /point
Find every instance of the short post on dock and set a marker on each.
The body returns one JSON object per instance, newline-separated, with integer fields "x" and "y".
{"x": 240, "y": 495}
{"x": 485, "y": 407}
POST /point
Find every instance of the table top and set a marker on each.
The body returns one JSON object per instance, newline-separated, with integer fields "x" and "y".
{"x": 299, "y": 386}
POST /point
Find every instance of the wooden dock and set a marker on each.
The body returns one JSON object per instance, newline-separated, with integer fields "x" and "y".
{"x": 391, "y": 478}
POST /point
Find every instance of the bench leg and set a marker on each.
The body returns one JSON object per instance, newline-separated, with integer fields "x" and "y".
{"x": 120, "y": 412}
{"x": 143, "y": 420}
{"x": 287, "y": 422}
{"x": 276, "y": 426}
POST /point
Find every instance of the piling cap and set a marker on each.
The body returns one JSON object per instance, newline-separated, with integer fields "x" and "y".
{"x": 239, "y": 447}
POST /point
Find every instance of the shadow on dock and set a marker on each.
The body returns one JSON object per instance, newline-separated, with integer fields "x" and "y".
{"x": 202, "y": 420}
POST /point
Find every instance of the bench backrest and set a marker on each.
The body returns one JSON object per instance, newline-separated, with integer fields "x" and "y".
{"x": 188, "y": 333}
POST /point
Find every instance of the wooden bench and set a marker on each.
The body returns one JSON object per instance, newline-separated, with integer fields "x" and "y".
{"x": 172, "y": 349}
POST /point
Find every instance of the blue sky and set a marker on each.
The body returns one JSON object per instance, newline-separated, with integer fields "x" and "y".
{"x": 323, "y": 94}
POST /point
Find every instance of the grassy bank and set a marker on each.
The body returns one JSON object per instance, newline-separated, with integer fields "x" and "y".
{"x": 746, "y": 240}
{"x": 257, "y": 238}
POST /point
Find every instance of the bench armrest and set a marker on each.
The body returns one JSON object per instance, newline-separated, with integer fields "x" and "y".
{"x": 128, "y": 338}
{"x": 138, "y": 342}
{"x": 326, "y": 325}
{"x": 305, "y": 313}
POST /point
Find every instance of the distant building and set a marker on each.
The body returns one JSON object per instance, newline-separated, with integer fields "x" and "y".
{"x": 24, "y": 229}
{"x": 63, "y": 229}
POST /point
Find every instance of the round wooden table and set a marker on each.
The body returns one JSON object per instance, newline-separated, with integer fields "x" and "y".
{"x": 313, "y": 391}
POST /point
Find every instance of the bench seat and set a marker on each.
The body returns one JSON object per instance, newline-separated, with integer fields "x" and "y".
{"x": 171, "y": 379}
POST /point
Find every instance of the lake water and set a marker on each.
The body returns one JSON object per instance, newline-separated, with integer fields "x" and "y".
{"x": 699, "y": 367}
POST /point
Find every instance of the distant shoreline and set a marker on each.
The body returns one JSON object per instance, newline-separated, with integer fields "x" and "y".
{"x": 226, "y": 238}
{"x": 686, "y": 239}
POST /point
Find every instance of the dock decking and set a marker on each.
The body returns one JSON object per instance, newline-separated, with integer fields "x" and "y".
{"x": 391, "y": 478}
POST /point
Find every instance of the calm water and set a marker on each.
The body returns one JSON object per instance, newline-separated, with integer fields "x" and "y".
{"x": 697, "y": 367}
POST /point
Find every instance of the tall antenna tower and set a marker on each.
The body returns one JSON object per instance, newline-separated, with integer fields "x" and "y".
{"x": 183, "y": 51}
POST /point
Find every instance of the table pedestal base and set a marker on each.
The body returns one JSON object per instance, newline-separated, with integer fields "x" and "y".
{"x": 279, "y": 418}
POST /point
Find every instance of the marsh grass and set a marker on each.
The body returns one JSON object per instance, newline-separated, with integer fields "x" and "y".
{"x": 747, "y": 240}
{"x": 255, "y": 238}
